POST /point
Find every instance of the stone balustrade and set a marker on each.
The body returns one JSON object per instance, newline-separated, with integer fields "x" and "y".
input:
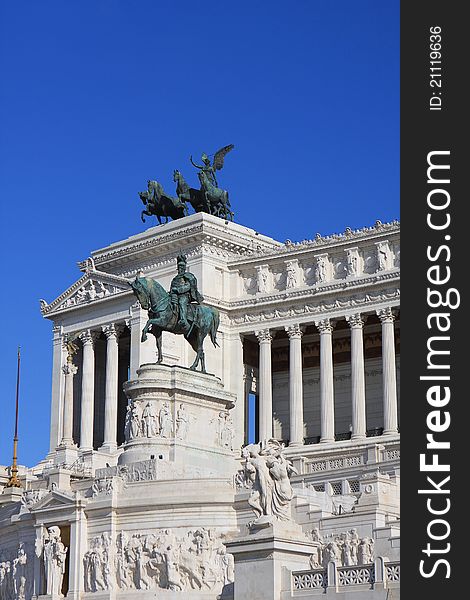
{"x": 379, "y": 575}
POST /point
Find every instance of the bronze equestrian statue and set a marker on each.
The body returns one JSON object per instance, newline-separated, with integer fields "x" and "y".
{"x": 181, "y": 312}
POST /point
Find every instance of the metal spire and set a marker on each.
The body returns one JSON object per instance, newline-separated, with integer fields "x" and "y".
{"x": 14, "y": 481}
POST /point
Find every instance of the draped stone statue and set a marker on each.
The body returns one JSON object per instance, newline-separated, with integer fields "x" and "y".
{"x": 54, "y": 562}
{"x": 149, "y": 421}
{"x": 182, "y": 422}
{"x": 166, "y": 422}
{"x": 269, "y": 472}
{"x": 19, "y": 573}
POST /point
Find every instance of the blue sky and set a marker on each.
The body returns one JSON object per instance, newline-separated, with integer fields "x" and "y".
{"x": 97, "y": 96}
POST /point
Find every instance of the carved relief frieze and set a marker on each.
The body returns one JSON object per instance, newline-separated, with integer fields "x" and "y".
{"x": 345, "y": 549}
{"x": 152, "y": 420}
{"x": 179, "y": 561}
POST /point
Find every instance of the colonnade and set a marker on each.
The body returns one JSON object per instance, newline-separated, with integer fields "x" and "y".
{"x": 294, "y": 332}
{"x": 88, "y": 338}
{"x": 327, "y": 406}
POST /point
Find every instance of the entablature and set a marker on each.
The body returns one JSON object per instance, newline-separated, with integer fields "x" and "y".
{"x": 176, "y": 236}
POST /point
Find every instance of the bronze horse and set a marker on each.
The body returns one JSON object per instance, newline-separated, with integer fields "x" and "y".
{"x": 196, "y": 198}
{"x": 163, "y": 316}
{"x": 160, "y": 204}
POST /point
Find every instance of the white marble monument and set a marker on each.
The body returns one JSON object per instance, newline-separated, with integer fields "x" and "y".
{"x": 273, "y": 476}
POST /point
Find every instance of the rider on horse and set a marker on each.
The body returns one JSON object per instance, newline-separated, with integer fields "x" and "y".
{"x": 183, "y": 291}
{"x": 208, "y": 169}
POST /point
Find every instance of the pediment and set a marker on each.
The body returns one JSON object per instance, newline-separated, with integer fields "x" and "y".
{"x": 93, "y": 286}
{"x": 55, "y": 499}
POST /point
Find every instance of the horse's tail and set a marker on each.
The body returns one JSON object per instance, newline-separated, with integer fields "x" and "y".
{"x": 214, "y": 326}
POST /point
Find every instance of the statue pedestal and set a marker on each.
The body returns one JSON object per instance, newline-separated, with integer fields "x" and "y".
{"x": 11, "y": 494}
{"x": 265, "y": 557}
{"x": 179, "y": 416}
{"x": 65, "y": 455}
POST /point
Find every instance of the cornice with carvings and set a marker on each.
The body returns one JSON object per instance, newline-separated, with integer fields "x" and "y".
{"x": 277, "y": 316}
{"x": 339, "y": 240}
{"x": 232, "y": 241}
{"x": 306, "y": 292}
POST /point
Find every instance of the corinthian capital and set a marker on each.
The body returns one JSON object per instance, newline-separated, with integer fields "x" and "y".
{"x": 386, "y": 315}
{"x": 294, "y": 331}
{"x": 88, "y": 336}
{"x": 264, "y": 336}
{"x": 324, "y": 326}
{"x": 355, "y": 321}
{"x": 113, "y": 330}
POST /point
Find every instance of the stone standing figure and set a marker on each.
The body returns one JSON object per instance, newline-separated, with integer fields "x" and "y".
{"x": 149, "y": 421}
{"x": 351, "y": 267}
{"x": 134, "y": 430}
{"x": 382, "y": 257}
{"x": 127, "y": 424}
{"x": 365, "y": 551}
{"x": 227, "y": 432}
{"x": 320, "y": 269}
{"x": 54, "y": 562}
{"x": 354, "y": 545}
{"x": 262, "y": 281}
{"x": 166, "y": 424}
{"x": 291, "y": 280}
{"x": 19, "y": 573}
{"x": 346, "y": 553}
{"x": 182, "y": 422}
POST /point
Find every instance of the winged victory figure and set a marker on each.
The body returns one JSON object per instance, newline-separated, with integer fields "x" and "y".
{"x": 217, "y": 163}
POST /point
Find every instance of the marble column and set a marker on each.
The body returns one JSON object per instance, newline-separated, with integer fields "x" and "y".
{"x": 265, "y": 385}
{"x": 88, "y": 390}
{"x": 389, "y": 375}
{"x": 358, "y": 387}
{"x": 77, "y": 549}
{"x": 69, "y": 371}
{"x": 58, "y": 382}
{"x": 233, "y": 376}
{"x": 327, "y": 395}
{"x": 296, "y": 404}
{"x": 111, "y": 332}
{"x": 141, "y": 352}
{"x": 248, "y": 378}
